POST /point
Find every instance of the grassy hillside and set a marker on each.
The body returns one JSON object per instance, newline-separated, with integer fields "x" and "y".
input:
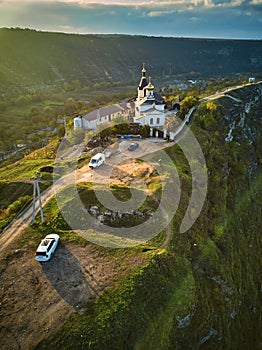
{"x": 35, "y": 60}
{"x": 203, "y": 290}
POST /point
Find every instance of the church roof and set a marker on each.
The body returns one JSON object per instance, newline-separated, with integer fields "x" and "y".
{"x": 158, "y": 100}
{"x": 152, "y": 110}
{"x": 150, "y": 86}
{"x": 151, "y": 102}
{"x": 143, "y": 83}
{"x": 158, "y": 97}
{"x": 108, "y": 110}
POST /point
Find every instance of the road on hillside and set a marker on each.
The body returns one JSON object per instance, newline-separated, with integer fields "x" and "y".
{"x": 19, "y": 224}
{"x": 84, "y": 174}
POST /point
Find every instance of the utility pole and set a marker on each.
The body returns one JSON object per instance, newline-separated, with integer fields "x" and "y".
{"x": 37, "y": 191}
{"x": 65, "y": 125}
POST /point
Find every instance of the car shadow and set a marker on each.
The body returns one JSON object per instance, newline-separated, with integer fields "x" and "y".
{"x": 73, "y": 281}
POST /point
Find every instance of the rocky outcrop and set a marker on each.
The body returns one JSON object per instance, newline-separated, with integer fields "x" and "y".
{"x": 119, "y": 218}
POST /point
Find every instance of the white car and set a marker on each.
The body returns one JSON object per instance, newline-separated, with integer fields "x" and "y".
{"x": 97, "y": 160}
{"x": 47, "y": 247}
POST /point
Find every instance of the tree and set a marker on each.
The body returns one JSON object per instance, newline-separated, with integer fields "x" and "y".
{"x": 145, "y": 131}
{"x": 120, "y": 124}
{"x": 34, "y": 111}
{"x": 3, "y": 106}
{"x": 79, "y": 106}
{"x": 211, "y": 106}
{"x": 47, "y": 111}
{"x": 61, "y": 131}
{"x": 118, "y": 119}
{"x": 76, "y": 136}
{"x": 189, "y": 102}
{"x": 88, "y": 136}
{"x": 104, "y": 129}
{"x": 34, "y": 141}
{"x": 70, "y": 105}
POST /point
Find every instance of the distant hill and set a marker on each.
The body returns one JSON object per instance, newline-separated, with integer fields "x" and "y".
{"x": 30, "y": 58}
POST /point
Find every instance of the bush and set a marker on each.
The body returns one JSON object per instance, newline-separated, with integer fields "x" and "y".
{"x": 18, "y": 205}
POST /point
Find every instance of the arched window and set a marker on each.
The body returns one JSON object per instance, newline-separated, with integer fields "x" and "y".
{"x": 151, "y": 121}
{"x": 158, "y": 120}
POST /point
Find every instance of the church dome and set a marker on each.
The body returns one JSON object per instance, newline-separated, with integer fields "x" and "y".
{"x": 150, "y": 86}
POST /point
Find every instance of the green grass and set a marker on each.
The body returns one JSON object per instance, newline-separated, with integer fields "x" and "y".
{"x": 201, "y": 276}
{"x": 25, "y": 169}
{"x": 11, "y": 191}
{"x": 16, "y": 181}
{"x": 54, "y": 220}
{"x": 178, "y": 308}
{"x": 14, "y": 197}
{"x": 31, "y": 237}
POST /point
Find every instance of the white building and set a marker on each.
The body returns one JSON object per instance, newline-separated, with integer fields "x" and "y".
{"x": 78, "y": 122}
{"x": 149, "y": 105}
{"x": 91, "y": 120}
{"x": 148, "y": 109}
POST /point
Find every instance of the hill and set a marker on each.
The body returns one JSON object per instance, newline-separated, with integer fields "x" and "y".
{"x": 31, "y": 59}
{"x": 202, "y": 291}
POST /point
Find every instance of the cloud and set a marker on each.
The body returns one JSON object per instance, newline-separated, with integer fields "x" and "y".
{"x": 160, "y": 13}
{"x": 194, "y": 18}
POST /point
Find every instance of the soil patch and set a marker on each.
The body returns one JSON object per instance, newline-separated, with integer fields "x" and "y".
{"x": 36, "y": 299}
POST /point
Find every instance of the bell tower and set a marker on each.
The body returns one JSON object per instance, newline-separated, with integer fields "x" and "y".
{"x": 141, "y": 90}
{"x": 150, "y": 91}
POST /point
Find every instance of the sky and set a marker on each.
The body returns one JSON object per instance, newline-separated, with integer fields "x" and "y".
{"x": 233, "y": 19}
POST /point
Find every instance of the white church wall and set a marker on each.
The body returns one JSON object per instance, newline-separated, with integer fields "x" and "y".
{"x": 160, "y": 107}
{"x": 155, "y": 119}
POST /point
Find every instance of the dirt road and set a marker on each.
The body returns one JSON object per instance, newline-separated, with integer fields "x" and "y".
{"x": 119, "y": 169}
{"x": 22, "y": 222}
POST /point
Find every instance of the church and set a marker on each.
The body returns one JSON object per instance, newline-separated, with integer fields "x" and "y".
{"x": 147, "y": 109}
{"x": 149, "y": 105}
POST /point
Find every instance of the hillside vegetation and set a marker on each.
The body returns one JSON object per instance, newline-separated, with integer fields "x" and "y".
{"x": 45, "y": 78}
{"x": 31, "y": 59}
{"x": 203, "y": 290}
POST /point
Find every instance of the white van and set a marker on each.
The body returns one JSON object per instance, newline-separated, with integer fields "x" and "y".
{"x": 96, "y": 161}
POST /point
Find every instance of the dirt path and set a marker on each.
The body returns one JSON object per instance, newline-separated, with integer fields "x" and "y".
{"x": 36, "y": 299}
{"x": 122, "y": 168}
{"x": 22, "y": 222}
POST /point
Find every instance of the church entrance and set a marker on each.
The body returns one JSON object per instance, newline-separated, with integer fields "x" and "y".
{"x": 158, "y": 133}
